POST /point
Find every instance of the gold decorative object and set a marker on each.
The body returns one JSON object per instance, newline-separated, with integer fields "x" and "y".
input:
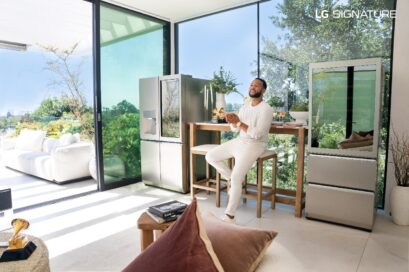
{"x": 218, "y": 115}
{"x": 18, "y": 241}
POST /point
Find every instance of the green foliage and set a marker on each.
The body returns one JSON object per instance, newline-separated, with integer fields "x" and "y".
{"x": 286, "y": 147}
{"x": 87, "y": 125}
{"x": 51, "y": 108}
{"x": 223, "y": 82}
{"x": 275, "y": 101}
{"x": 307, "y": 39}
{"x": 123, "y": 107}
{"x": 301, "y": 106}
{"x": 58, "y": 127}
{"x": 67, "y": 76}
{"x": 120, "y": 136}
{"x": 331, "y": 134}
{"x": 28, "y": 125}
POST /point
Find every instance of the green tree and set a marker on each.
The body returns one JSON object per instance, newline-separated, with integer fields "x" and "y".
{"x": 307, "y": 39}
{"x": 68, "y": 76}
{"x": 121, "y": 135}
{"x": 51, "y": 108}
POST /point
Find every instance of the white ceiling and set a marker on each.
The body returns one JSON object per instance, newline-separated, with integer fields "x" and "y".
{"x": 62, "y": 23}
{"x": 179, "y": 10}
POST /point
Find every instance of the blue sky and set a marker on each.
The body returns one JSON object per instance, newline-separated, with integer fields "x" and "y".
{"x": 224, "y": 39}
{"x": 24, "y": 82}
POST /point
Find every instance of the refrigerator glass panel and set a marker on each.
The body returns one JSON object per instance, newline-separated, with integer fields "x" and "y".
{"x": 345, "y": 111}
{"x": 170, "y": 108}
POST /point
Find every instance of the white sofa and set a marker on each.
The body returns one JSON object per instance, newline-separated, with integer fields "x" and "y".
{"x": 57, "y": 160}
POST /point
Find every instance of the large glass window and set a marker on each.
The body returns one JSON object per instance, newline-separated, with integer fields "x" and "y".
{"x": 291, "y": 35}
{"x": 132, "y": 47}
{"x": 294, "y": 34}
{"x": 46, "y": 83}
{"x": 228, "y": 40}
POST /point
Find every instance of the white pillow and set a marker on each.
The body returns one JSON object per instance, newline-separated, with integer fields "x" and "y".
{"x": 66, "y": 139}
{"x": 30, "y": 140}
{"x": 49, "y": 144}
{"x": 77, "y": 137}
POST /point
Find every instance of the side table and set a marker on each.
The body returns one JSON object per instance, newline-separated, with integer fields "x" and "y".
{"x": 37, "y": 262}
{"x": 147, "y": 227}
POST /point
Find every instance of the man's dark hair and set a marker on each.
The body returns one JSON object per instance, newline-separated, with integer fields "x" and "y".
{"x": 263, "y": 81}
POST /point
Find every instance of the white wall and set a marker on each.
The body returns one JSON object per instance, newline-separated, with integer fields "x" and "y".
{"x": 400, "y": 84}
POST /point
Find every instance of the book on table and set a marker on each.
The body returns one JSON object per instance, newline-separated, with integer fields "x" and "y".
{"x": 161, "y": 220}
{"x": 168, "y": 209}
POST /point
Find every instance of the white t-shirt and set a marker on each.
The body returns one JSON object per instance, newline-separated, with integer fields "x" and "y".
{"x": 258, "y": 119}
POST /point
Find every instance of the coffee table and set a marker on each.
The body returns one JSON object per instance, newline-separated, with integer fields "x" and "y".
{"x": 148, "y": 227}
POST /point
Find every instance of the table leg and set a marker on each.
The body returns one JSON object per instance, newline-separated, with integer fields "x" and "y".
{"x": 300, "y": 172}
{"x": 192, "y": 143}
{"x": 146, "y": 239}
{"x": 157, "y": 234}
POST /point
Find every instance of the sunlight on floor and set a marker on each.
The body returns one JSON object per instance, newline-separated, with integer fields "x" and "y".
{"x": 77, "y": 218}
{"x": 87, "y": 235}
{"x": 60, "y": 207}
{"x": 160, "y": 192}
{"x": 56, "y": 195}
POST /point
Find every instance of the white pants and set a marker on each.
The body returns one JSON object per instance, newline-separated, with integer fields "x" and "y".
{"x": 245, "y": 152}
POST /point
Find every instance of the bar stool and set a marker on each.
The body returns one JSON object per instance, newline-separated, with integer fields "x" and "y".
{"x": 208, "y": 184}
{"x": 260, "y": 192}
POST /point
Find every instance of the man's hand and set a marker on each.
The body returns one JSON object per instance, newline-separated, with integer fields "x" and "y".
{"x": 232, "y": 118}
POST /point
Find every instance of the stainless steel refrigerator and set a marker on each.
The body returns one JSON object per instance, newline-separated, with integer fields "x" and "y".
{"x": 167, "y": 105}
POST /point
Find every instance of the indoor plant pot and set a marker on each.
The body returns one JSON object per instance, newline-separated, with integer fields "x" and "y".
{"x": 223, "y": 83}
{"x": 299, "y": 111}
{"x": 300, "y": 116}
{"x": 399, "y": 197}
{"x": 399, "y": 202}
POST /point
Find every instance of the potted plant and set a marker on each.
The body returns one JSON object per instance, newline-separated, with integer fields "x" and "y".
{"x": 299, "y": 111}
{"x": 223, "y": 83}
{"x": 399, "y": 198}
{"x": 276, "y": 102}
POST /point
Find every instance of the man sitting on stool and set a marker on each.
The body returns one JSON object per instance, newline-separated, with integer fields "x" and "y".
{"x": 253, "y": 122}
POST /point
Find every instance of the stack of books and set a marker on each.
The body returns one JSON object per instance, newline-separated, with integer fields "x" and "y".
{"x": 166, "y": 212}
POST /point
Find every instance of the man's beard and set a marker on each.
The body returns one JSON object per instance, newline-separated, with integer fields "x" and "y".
{"x": 256, "y": 95}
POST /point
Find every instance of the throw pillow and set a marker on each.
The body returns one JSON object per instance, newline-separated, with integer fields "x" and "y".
{"x": 184, "y": 247}
{"x": 238, "y": 248}
{"x": 66, "y": 139}
{"x": 77, "y": 137}
{"x": 49, "y": 144}
{"x": 30, "y": 140}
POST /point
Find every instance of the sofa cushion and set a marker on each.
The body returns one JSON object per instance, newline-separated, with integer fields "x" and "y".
{"x": 30, "y": 140}
{"x": 48, "y": 144}
{"x": 238, "y": 248}
{"x": 184, "y": 247}
{"x": 66, "y": 139}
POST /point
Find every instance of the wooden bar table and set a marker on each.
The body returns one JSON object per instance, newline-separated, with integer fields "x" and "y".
{"x": 290, "y": 197}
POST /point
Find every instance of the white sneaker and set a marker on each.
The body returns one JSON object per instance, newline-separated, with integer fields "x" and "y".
{"x": 227, "y": 219}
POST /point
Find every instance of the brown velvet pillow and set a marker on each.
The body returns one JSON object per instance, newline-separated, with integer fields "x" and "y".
{"x": 183, "y": 247}
{"x": 238, "y": 248}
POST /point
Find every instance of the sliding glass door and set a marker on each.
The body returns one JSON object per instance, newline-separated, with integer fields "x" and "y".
{"x": 131, "y": 46}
